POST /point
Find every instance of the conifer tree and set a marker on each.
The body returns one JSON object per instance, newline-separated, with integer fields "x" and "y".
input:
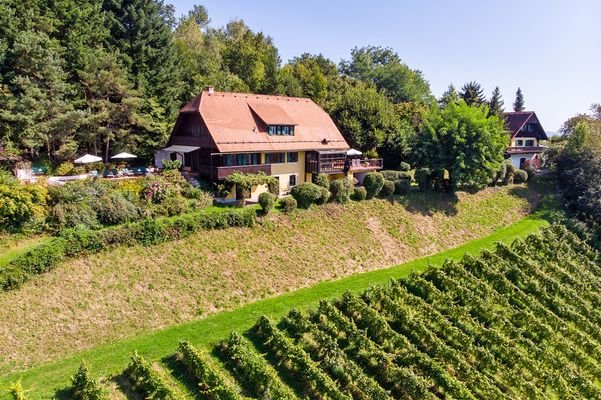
{"x": 472, "y": 94}
{"x": 495, "y": 105}
{"x": 448, "y": 97}
{"x": 518, "y": 104}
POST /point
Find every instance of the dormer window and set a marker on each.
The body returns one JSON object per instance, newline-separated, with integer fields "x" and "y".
{"x": 280, "y": 130}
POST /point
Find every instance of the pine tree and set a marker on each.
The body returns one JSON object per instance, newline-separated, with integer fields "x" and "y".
{"x": 448, "y": 97}
{"x": 495, "y": 105}
{"x": 518, "y": 104}
{"x": 472, "y": 94}
{"x": 141, "y": 31}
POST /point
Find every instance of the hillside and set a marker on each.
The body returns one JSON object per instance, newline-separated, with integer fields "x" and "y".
{"x": 516, "y": 322}
{"x": 116, "y": 294}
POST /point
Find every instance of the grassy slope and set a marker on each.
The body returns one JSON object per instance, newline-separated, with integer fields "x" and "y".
{"x": 112, "y": 358}
{"x": 130, "y": 290}
{"x": 11, "y": 246}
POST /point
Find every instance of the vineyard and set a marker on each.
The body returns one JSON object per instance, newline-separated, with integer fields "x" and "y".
{"x": 523, "y": 321}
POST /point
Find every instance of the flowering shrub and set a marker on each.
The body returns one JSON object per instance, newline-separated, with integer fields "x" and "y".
{"x": 156, "y": 190}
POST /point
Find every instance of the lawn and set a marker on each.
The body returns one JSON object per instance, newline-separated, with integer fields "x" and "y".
{"x": 129, "y": 291}
{"x": 11, "y": 246}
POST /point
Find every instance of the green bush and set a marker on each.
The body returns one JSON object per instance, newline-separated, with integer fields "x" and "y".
{"x": 499, "y": 176}
{"x": 509, "y": 175}
{"x": 84, "y": 386}
{"x": 423, "y": 179}
{"x": 19, "y": 206}
{"x": 75, "y": 192}
{"x": 66, "y": 168}
{"x": 387, "y": 189}
{"x": 341, "y": 190}
{"x": 171, "y": 164}
{"x": 69, "y": 215}
{"x": 530, "y": 170}
{"x": 359, "y": 193}
{"x": 113, "y": 208}
{"x": 520, "y": 176}
{"x": 404, "y": 166}
{"x": 147, "y": 381}
{"x": 307, "y": 194}
{"x": 204, "y": 198}
{"x": 373, "y": 183}
{"x": 325, "y": 196}
{"x": 322, "y": 180}
{"x": 402, "y": 186}
{"x": 395, "y": 175}
{"x": 288, "y": 204}
{"x": 266, "y": 201}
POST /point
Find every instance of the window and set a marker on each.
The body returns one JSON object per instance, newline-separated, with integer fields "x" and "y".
{"x": 293, "y": 157}
{"x": 292, "y": 180}
{"x": 519, "y": 142}
{"x": 275, "y": 158}
{"x": 281, "y": 130}
{"x": 230, "y": 160}
{"x": 529, "y": 143}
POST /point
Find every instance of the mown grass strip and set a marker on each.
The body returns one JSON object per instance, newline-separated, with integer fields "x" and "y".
{"x": 111, "y": 358}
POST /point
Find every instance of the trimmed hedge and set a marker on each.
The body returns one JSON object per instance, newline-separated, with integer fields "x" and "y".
{"x": 404, "y": 166}
{"x": 520, "y": 176}
{"x": 359, "y": 193}
{"x": 307, "y": 194}
{"x": 266, "y": 201}
{"x": 402, "y": 186}
{"x": 341, "y": 190}
{"x": 387, "y": 189}
{"x": 288, "y": 204}
{"x": 148, "y": 232}
{"x": 395, "y": 175}
{"x": 373, "y": 183}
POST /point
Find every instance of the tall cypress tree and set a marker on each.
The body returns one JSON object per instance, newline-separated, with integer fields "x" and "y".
{"x": 472, "y": 94}
{"x": 495, "y": 105}
{"x": 518, "y": 104}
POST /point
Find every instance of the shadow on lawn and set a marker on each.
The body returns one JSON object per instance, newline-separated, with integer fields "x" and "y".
{"x": 428, "y": 203}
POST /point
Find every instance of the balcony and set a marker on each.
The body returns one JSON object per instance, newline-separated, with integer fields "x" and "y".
{"x": 223, "y": 172}
{"x": 526, "y": 149}
{"x": 357, "y": 165}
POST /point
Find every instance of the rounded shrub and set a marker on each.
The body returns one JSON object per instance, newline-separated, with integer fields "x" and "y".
{"x": 423, "y": 178}
{"x": 113, "y": 208}
{"x": 402, "y": 186}
{"x": 520, "y": 176}
{"x": 530, "y": 170}
{"x": 510, "y": 171}
{"x": 70, "y": 215}
{"x": 341, "y": 190}
{"x": 404, "y": 166}
{"x": 325, "y": 196}
{"x": 322, "y": 180}
{"x": 373, "y": 183}
{"x": 288, "y": 204}
{"x": 395, "y": 175}
{"x": 359, "y": 193}
{"x": 266, "y": 201}
{"x": 307, "y": 194}
{"x": 387, "y": 189}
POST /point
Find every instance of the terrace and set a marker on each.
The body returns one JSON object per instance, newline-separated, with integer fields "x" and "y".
{"x": 337, "y": 162}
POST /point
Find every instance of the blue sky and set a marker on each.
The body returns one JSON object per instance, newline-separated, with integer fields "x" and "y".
{"x": 551, "y": 49}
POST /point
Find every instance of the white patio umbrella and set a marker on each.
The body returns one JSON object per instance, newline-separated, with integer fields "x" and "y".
{"x": 86, "y": 159}
{"x": 124, "y": 156}
{"x": 353, "y": 152}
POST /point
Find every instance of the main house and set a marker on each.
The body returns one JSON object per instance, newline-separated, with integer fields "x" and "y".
{"x": 526, "y": 133}
{"x": 290, "y": 138}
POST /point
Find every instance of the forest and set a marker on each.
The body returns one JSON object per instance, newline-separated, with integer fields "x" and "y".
{"x": 107, "y": 76}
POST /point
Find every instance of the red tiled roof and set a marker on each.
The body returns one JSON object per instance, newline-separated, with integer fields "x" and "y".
{"x": 230, "y": 121}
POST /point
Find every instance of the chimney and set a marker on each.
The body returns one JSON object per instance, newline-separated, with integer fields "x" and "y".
{"x": 210, "y": 89}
